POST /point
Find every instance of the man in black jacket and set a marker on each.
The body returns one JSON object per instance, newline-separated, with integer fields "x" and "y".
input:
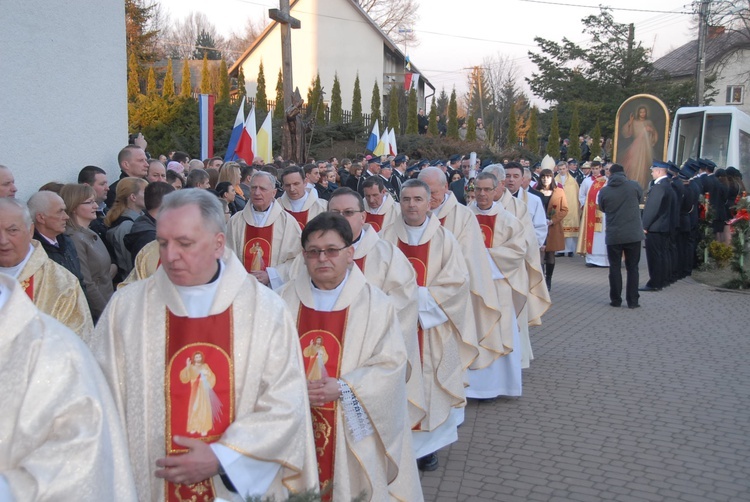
{"x": 657, "y": 224}
{"x": 619, "y": 200}
{"x": 143, "y": 230}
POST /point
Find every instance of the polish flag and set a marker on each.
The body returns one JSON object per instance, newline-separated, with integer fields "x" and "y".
{"x": 248, "y": 144}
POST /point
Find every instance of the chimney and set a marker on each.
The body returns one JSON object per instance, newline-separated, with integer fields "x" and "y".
{"x": 715, "y": 32}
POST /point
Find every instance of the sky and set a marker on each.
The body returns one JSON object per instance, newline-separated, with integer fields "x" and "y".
{"x": 453, "y": 39}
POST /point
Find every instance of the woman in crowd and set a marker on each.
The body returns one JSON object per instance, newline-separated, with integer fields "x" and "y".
{"x": 225, "y": 191}
{"x": 556, "y": 208}
{"x": 127, "y": 207}
{"x": 355, "y": 173}
{"x": 96, "y": 265}
{"x": 230, "y": 171}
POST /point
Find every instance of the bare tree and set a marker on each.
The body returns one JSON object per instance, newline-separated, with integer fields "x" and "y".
{"x": 500, "y": 79}
{"x": 179, "y": 39}
{"x": 392, "y": 16}
{"x": 239, "y": 41}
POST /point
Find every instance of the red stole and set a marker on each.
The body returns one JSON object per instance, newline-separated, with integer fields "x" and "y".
{"x": 360, "y": 262}
{"x": 487, "y": 225}
{"x": 591, "y": 219}
{"x": 375, "y": 220}
{"x": 28, "y": 287}
{"x": 322, "y": 339}
{"x": 301, "y": 217}
{"x": 258, "y": 247}
{"x": 199, "y": 389}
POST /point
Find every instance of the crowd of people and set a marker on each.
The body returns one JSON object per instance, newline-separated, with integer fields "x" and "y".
{"x": 268, "y": 328}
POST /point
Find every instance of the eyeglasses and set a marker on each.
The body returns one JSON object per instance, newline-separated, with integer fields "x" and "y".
{"x": 483, "y": 189}
{"x": 346, "y": 213}
{"x": 314, "y": 254}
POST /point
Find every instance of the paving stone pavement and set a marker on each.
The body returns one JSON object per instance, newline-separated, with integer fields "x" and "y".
{"x": 651, "y": 404}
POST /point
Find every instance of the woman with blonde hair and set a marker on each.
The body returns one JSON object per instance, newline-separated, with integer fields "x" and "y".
{"x": 96, "y": 264}
{"x": 128, "y": 206}
{"x": 230, "y": 171}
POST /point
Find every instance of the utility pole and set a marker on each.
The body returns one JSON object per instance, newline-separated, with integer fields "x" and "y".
{"x": 286, "y": 22}
{"x": 700, "y": 71}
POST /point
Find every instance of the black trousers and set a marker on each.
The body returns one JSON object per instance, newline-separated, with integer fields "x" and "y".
{"x": 632, "y": 251}
{"x": 658, "y": 258}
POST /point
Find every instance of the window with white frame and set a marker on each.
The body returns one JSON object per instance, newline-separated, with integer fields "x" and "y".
{"x": 735, "y": 94}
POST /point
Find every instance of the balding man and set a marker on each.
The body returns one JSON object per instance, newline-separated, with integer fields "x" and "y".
{"x": 264, "y": 236}
{"x": 7, "y": 183}
{"x": 211, "y": 403}
{"x": 299, "y": 200}
{"x": 381, "y": 211}
{"x": 53, "y": 289}
{"x": 156, "y": 171}
{"x": 47, "y": 211}
{"x": 133, "y": 164}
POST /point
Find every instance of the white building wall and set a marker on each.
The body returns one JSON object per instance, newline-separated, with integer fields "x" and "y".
{"x": 735, "y": 71}
{"x": 64, "y": 89}
{"x": 336, "y": 40}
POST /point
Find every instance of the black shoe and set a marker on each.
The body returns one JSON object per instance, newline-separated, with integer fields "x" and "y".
{"x": 648, "y": 288}
{"x": 428, "y": 462}
{"x": 570, "y": 255}
{"x": 615, "y": 304}
{"x": 634, "y": 306}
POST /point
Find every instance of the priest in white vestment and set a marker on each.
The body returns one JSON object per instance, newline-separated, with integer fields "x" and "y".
{"x": 301, "y": 202}
{"x": 53, "y": 289}
{"x": 203, "y": 322}
{"x": 381, "y": 211}
{"x": 264, "y": 236}
{"x": 505, "y": 253}
{"x": 591, "y": 241}
{"x": 443, "y": 282}
{"x": 60, "y": 434}
{"x": 357, "y": 388}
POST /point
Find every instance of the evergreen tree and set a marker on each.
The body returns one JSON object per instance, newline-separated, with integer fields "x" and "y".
{"x": 393, "y": 99}
{"x": 553, "y": 144}
{"x": 596, "y": 141}
{"x": 261, "y": 102}
{"x": 278, "y": 111}
{"x": 375, "y": 104}
{"x": 320, "y": 106}
{"x": 167, "y": 90}
{"x": 214, "y": 80}
{"x": 151, "y": 82}
{"x": 134, "y": 86}
{"x": 186, "y": 89}
{"x": 139, "y": 39}
{"x": 223, "y": 83}
{"x": 205, "y": 77}
{"x": 412, "y": 124}
{"x": 453, "y": 116}
{"x": 357, "y": 103}
{"x": 532, "y": 138}
{"x": 241, "y": 91}
{"x": 432, "y": 128}
{"x": 442, "y": 104}
{"x": 471, "y": 128}
{"x": 336, "y": 111}
{"x": 205, "y": 47}
{"x": 574, "y": 148}
{"x": 511, "y": 140}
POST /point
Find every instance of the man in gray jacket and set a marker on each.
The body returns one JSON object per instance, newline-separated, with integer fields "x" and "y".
{"x": 619, "y": 201}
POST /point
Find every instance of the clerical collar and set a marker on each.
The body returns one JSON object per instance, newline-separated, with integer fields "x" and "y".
{"x": 356, "y": 242}
{"x": 437, "y": 210}
{"x": 516, "y": 194}
{"x": 325, "y": 299}
{"x": 199, "y": 299}
{"x": 415, "y": 234}
{"x": 299, "y": 203}
{"x": 486, "y": 211}
{"x": 15, "y": 271}
{"x": 261, "y": 217}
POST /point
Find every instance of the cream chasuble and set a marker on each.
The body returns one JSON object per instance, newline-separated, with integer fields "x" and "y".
{"x": 572, "y": 220}
{"x": 445, "y": 354}
{"x": 60, "y": 434}
{"x": 266, "y": 388}
{"x": 146, "y": 262}
{"x": 485, "y": 305}
{"x": 370, "y": 358}
{"x": 538, "y": 300}
{"x": 382, "y": 218}
{"x": 275, "y": 243}
{"x": 312, "y": 206}
{"x": 56, "y": 292}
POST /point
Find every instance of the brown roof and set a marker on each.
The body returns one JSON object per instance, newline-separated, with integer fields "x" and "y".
{"x": 681, "y": 61}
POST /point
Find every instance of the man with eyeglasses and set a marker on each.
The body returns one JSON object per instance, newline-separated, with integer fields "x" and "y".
{"x": 381, "y": 212}
{"x": 263, "y": 235}
{"x": 443, "y": 282}
{"x": 299, "y": 200}
{"x": 356, "y": 366}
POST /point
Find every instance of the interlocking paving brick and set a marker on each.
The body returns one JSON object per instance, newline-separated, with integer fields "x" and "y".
{"x": 627, "y": 405}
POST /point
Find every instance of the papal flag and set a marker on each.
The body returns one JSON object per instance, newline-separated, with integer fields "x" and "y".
{"x": 382, "y": 148}
{"x": 372, "y": 141}
{"x": 265, "y": 141}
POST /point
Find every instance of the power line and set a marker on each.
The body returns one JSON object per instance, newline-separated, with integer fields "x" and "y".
{"x": 560, "y": 4}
